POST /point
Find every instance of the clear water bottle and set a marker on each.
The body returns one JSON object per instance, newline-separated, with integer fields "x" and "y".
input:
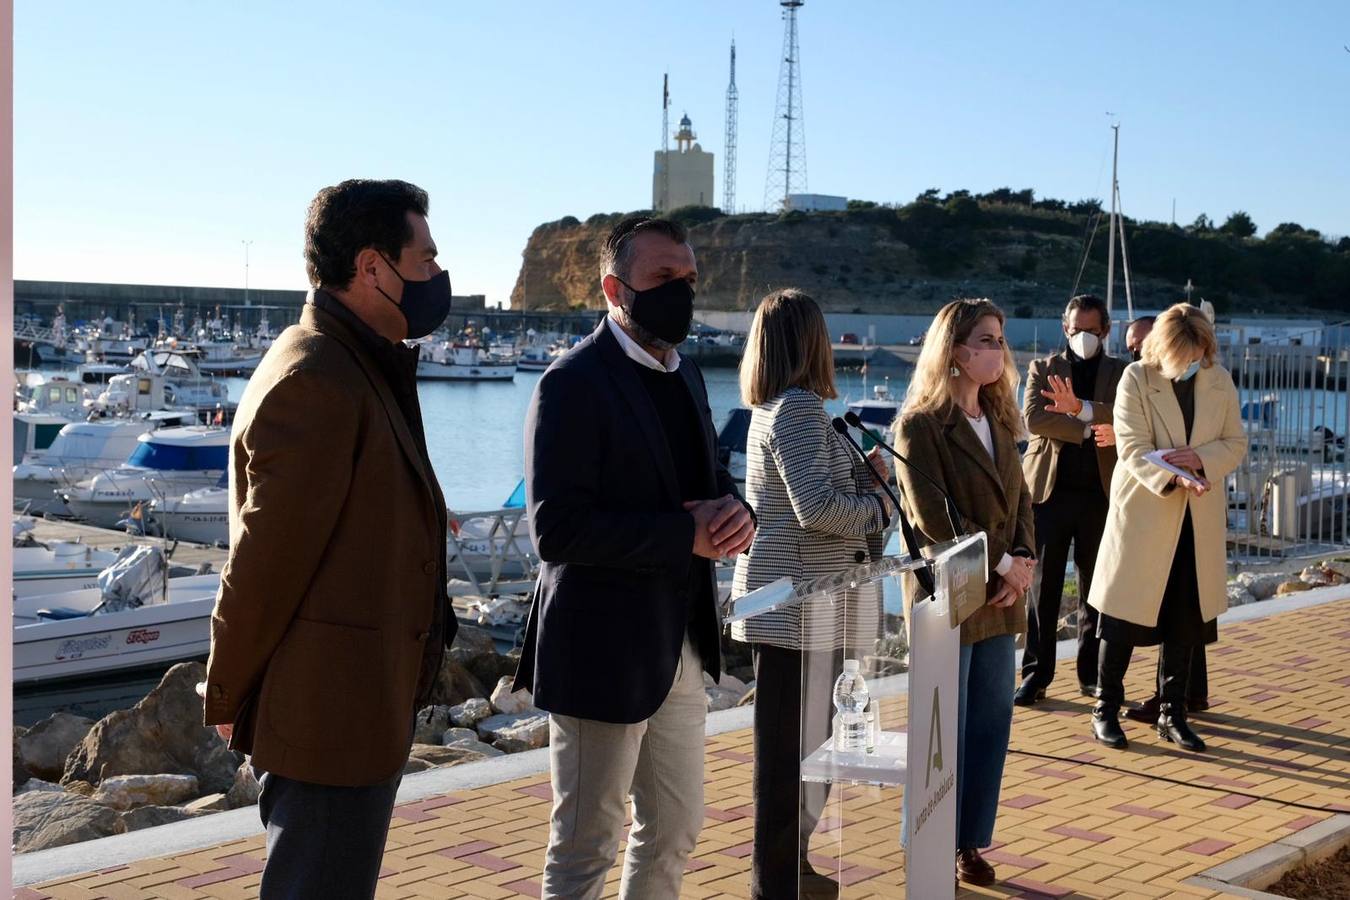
{"x": 850, "y": 704}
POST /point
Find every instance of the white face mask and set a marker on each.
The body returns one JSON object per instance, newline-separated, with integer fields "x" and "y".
{"x": 1085, "y": 344}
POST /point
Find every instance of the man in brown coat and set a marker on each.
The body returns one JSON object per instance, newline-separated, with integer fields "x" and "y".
{"x": 1068, "y": 466}
{"x": 332, "y": 617}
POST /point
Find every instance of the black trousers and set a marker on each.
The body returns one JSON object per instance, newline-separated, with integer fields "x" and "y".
{"x": 323, "y": 842}
{"x": 1076, "y": 517}
{"x": 1174, "y": 666}
{"x": 786, "y": 809}
{"x": 1197, "y": 675}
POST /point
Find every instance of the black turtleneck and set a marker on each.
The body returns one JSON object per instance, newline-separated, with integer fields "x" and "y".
{"x": 1078, "y": 462}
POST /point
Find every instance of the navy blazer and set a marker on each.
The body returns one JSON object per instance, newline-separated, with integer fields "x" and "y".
{"x": 611, "y": 604}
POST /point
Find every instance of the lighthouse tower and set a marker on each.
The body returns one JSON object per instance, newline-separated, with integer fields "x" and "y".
{"x": 688, "y": 170}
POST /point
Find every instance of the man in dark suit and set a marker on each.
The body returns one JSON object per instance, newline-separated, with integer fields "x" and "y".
{"x": 1068, "y": 466}
{"x": 628, "y": 507}
{"x": 332, "y": 617}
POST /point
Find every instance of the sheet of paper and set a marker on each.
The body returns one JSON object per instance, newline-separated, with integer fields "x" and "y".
{"x": 1156, "y": 457}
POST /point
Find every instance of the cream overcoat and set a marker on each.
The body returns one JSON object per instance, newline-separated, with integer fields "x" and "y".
{"x": 1146, "y": 513}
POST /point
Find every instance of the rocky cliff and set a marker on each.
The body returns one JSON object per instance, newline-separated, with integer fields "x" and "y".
{"x": 913, "y": 258}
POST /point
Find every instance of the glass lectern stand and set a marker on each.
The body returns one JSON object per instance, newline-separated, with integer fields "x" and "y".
{"x": 853, "y": 736}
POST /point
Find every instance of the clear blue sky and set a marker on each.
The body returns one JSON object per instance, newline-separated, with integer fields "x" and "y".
{"x": 151, "y": 138}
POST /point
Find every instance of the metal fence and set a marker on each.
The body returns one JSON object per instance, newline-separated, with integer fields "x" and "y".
{"x": 1288, "y": 498}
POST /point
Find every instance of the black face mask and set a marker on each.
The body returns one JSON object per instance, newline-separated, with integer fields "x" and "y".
{"x": 666, "y": 310}
{"x": 425, "y": 303}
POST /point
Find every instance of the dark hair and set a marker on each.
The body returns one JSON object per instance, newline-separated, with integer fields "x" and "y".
{"x": 1142, "y": 320}
{"x": 616, "y": 255}
{"x": 1089, "y": 301}
{"x": 347, "y": 218}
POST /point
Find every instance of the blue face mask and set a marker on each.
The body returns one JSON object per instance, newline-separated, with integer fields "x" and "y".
{"x": 1190, "y": 371}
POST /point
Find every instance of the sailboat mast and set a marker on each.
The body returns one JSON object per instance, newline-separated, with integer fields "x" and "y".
{"x": 1111, "y": 234}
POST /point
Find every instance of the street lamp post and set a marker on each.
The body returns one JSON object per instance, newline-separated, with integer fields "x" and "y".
{"x": 246, "y": 246}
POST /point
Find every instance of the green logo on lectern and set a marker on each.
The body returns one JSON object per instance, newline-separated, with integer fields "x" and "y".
{"x": 934, "y": 737}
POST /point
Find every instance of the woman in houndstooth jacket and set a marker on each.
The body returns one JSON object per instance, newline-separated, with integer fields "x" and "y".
{"x": 819, "y": 511}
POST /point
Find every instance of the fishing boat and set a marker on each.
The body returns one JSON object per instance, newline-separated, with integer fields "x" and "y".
{"x": 879, "y": 412}
{"x": 535, "y": 359}
{"x": 454, "y": 361}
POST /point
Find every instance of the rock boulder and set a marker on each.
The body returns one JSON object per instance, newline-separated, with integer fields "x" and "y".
{"x": 245, "y": 790}
{"x": 509, "y": 702}
{"x": 128, "y": 791}
{"x": 43, "y": 819}
{"x": 455, "y": 684}
{"x": 444, "y": 756}
{"x": 150, "y": 816}
{"x": 1292, "y": 587}
{"x": 529, "y": 728}
{"x": 470, "y": 712}
{"x": 1261, "y": 585}
{"x": 161, "y": 734}
{"x": 1239, "y": 595}
{"x": 431, "y": 724}
{"x": 210, "y": 803}
{"x": 46, "y": 745}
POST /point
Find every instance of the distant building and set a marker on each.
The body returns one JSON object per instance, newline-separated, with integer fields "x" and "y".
{"x": 690, "y": 180}
{"x": 816, "y": 202}
{"x": 1286, "y": 332}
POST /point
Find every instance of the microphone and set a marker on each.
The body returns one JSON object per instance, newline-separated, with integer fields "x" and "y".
{"x": 925, "y": 574}
{"x": 953, "y": 514}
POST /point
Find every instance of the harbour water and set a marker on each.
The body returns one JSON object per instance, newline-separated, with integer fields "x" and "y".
{"x": 475, "y": 431}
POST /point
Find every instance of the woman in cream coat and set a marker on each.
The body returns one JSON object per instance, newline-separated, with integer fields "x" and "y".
{"x": 1161, "y": 573}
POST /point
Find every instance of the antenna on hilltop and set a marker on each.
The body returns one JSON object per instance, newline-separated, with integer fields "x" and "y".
{"x": 787, "y": 150}
{"x": 665, "y": 143}
{"x": 729, "y": 166}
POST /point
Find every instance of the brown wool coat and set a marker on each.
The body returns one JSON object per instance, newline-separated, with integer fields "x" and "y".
{"x": 326, "y": 601}
{"x": 991, "y": 495}
{"x": 1051, "y": 431}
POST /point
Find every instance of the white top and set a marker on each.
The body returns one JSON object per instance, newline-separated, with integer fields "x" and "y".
{"x": 638, "y": 354}
{"x": 986, "y": 436}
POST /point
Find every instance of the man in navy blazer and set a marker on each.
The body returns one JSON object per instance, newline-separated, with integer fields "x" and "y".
{"x": 628, "y": 508}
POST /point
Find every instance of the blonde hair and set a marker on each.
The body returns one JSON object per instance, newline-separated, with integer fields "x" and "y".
{"x": 1176, "y": 335}
{"x": 788, "y": 346}
{"x": 930, "y": 390}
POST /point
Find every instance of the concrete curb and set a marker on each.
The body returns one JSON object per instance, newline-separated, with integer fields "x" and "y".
{"x": 223, "y": 827}
{"x": 1250, "y": 872}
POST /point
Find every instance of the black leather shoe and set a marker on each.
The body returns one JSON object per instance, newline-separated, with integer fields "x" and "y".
{"x": 1146, "y": 712}
{"x": 1106, "y": 727}
{"x": 1028, "y": 694}
{"x": 972, "y": 868}
{"x": 811, "y": 885}
{"x": 1172, "y": 727}
{"x": 1087, "y": 690}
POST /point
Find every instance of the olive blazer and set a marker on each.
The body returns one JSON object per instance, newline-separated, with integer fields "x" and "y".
{"x": 991, "y": 495}
{"x": 1051, "y": 431}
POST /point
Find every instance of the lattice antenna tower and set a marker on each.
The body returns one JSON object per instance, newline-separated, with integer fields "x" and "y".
{"x": 729, "y": 164}
{"x": 665, "y": 142}
{"x": 787, "y": 149}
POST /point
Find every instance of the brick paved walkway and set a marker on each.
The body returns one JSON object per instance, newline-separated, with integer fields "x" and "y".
{"x": 1077, "y": 819}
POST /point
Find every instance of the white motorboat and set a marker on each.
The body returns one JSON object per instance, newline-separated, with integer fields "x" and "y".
{"x": 878, "y": 413}
{"x": 62, "y": 636}
{"x": 200, "y": 517}
{"x": 450, "y": 361}
{"x": 58, "y": 566}
{"x": 34, "y": 433}
{"x": 80, "y": 451}
{"x": 167, "y": 463}
{"x": 535, "y": 359}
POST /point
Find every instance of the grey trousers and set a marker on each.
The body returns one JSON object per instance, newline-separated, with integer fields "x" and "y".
{"x": 323, "y": 842}
{"x": 597, "y": 765}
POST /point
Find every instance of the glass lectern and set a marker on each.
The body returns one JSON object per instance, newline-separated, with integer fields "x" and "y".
{"x": 859, "y": 657}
